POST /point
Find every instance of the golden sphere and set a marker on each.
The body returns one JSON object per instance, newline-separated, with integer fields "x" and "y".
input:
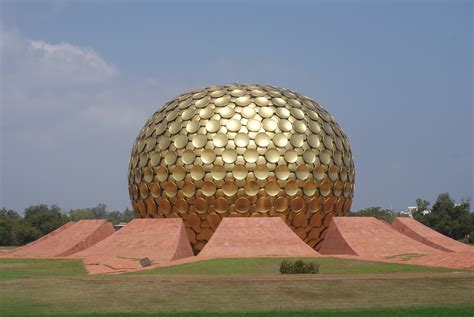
{"x": 245, "y": 151}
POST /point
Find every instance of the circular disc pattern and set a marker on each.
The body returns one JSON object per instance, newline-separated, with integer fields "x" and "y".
{"x": 242, "y": 150}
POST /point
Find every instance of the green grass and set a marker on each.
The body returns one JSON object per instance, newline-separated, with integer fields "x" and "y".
{"x": 435, "y": 311}
{"x": 258, "y": 266}
{"x": 235, "y": 287}
{"x": 24, "y": 268}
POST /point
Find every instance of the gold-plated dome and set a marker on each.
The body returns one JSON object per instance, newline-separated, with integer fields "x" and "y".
{"x": 245, "y": 151}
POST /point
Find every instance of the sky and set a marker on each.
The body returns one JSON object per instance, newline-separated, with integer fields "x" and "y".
{"x": 80, "y": 78}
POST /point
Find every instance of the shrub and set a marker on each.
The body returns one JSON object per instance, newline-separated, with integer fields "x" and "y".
{"x": 298, "y": 267}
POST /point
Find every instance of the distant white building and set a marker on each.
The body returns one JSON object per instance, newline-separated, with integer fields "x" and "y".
{"x": 425, "y": 212}
{"x": 410, "y": 210}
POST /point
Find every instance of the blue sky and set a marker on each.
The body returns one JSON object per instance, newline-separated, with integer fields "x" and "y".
{"x": 79, "y": 79}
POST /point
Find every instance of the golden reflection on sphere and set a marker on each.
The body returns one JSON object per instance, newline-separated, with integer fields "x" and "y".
{"x": 244, "y": 151}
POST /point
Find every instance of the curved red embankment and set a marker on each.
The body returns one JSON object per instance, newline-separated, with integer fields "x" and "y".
{"x": 461, "y": 260}
{"x": 255, "y": 237}
{"x": 421, "y": 233}
{"x": 156, "y": 239}
{"x": 46, "y": 236}
{"x": 370, "y": 238}
{"x": 66, "y": 240}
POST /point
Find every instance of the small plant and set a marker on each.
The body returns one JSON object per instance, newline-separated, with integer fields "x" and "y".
{"x": 298, "y": 267}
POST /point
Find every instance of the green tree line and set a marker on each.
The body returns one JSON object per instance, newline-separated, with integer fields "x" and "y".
{"x": 39, "y": 220}
{"x": 447, "y": 217}
{"x": 452, "y": 219}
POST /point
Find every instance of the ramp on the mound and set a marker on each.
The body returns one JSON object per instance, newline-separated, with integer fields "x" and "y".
{"x": 421, "y": 233}
{"x": 369, "y": 237}
{"x": 255, "y": 237}
{"x": 66, "y": 240}
{"x": 156, "y": 239}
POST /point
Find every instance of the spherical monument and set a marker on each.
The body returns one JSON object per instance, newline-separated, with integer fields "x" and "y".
{"x": 245, "y": 151}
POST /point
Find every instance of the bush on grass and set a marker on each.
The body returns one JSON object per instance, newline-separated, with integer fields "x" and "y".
{"x": 298, "y": 267}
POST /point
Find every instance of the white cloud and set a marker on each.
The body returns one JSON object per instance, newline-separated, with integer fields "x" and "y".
{"x": 46, "y": 84}
{"x": 71, "y": 62}
{"x": 69, "y": 118}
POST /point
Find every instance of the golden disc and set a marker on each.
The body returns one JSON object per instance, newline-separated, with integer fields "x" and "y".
{"x": 302, "y": 172}
{"x": 188, "y": 189}
{"x": 261, "y": 171}
{"x": 262, "y": 139}
{"x": 178, "y": 173}
{"x": 218, "y": 172}
{"x": 180, "y": 141}
{"x": 222, "y": 101}
{"x": 197, "y": 172}
{"x": 250, "y": 155}
{"x": 280, "y": 103}
{"x": 220, "y": 140}
{"x": 309, "y": 188}
{"x": 212, "y": 126}
{"x": 221, "y": 204}
{"x": 239, "y": 171}
{"x": 254, "y": 125}
{"x": 200, "y": 204}
{"x": 281, "y": 204}
{"x": 269, "y": 125}
{"x": 227, "y": 112}
{"x": 248, "y": 112}
{"x": 272, "y": 188}
{"x": 280, "y": 140}
{"x": 188, "y": 157}
{"x": 325, "y": 188}
{"x": 241, "y": 140}
{"x": 242, "y": 204}
{"x": 291, "y": 188}
{"x": 171, "y": 189}
{"x": 208, "y": 188}
{"x": 272, "y": 155}
{"x": 297, "y": 204}
{"x": 251, "y": 188}
{"x": 229, "y": 155}
{"x": 161, "y": 173}
{"x": 208, "y": 156}
{"x": 282, "y": 172}
{"x": 229, "y": 188}
{"x": 233, "y": 125}
{"x": 263, "y": 204}
{"x": 199, "y": 141}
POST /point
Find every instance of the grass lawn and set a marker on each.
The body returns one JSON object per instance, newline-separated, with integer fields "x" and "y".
{"x": 235, "y": 287}
{"x": 259, "y": 266}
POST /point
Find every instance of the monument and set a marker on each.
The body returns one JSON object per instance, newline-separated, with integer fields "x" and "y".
{"x": 242, "y": 151}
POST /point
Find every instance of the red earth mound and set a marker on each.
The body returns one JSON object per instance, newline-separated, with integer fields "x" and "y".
{"x": 255, "y": 237}
{"x": 421, "y": 233}
{"x": 66, "y": 240}
{"x": 156, "y": 239}
{"x": 370, "y": 238}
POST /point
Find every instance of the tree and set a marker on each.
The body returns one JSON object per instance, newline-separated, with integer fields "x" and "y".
{"x": 377, "y": 212}
{"x": 8, "y": 219}
{"x": 447, "y": 217}
{"x": 80, "y": 214}
{"x": 422, "y": 205}
{"x": 23, "y": 232}
{"x": 44, "y": 218}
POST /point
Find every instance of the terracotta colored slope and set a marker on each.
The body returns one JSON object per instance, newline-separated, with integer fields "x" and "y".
{"x": 157, "y": 239}
{"x": 66, "y": 240}
{"x": 255, "y": 237}
{"x": 46, "y": 236}
{"x": 421, "y": 233}
{"x": 368, "y": 237}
